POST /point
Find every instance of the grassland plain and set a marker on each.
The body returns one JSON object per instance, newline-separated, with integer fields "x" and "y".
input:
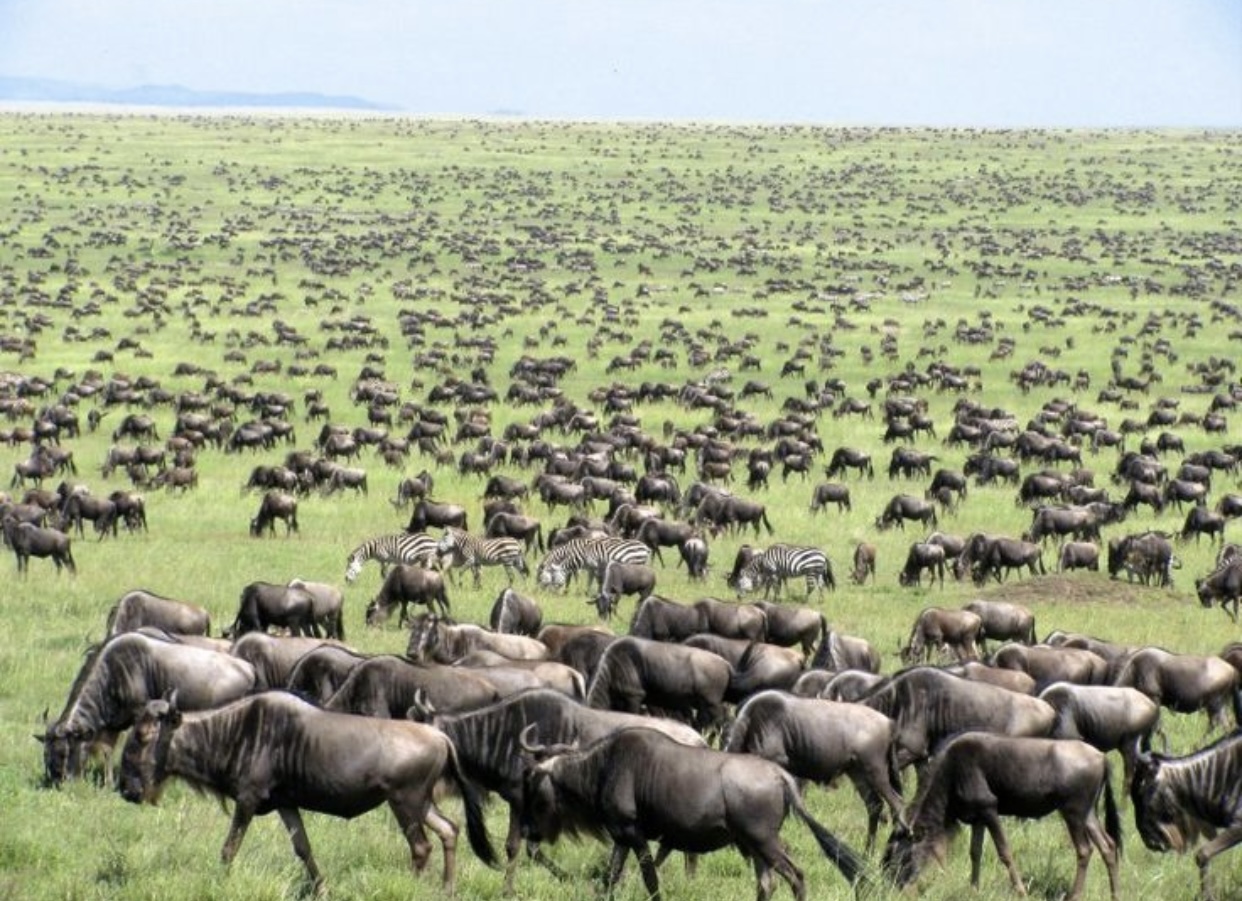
{"x": 134, "y": 243}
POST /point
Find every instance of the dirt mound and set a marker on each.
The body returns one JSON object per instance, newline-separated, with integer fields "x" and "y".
{"x": 1084, "y": 588}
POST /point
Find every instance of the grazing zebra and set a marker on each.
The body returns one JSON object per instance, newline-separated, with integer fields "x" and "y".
{"x": 591, "y": 554}
{"x": 398, "y": 547}
{"x": 779, "y": 562}
{"x": 476, "y": 552}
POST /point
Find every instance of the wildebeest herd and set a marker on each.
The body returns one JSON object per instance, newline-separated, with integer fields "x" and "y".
{"x": 580, "y": 447}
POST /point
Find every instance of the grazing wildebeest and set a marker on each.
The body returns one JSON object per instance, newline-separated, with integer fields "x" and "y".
{"x": 979, "y": 778}
{"x": 923, "y": 556}
{"x": 850, "y": 458}
{"x": 903, "y": 507}
{"x": 275, "y": 751}
{"x": 515, "y": 614}
{"x": 939, "y": 630}
{"x": 821, "y": 740}
{"x": 1223, "y": 585}
{"x": 327, "y": 607}
{"x": 959, "y": 705}
{"x": 638, "y": 785}
{"x": 788, "y": 626}
{"x": 1003, "y": 621}
{"x": 618, "y": 579}
{"x": 139, "y": 608}
{"x": 637, "y": 673}
{"x": 1184, "y": 682}
{"x": 275, "y": 505}
{"x": 436, "y": 638}
{"x": 864, "y": 563}
{"x": 321, "y": 671}
{"x": 1106, "y": 717}
{"x": 1202, "y": 521}
{"x": 1178, "y": 799}
{"x": 1148, "y": 555}
{"x": 659, "y": 619}
{"x": 995, "y": 556}
{"x": 117, "y": 678}
{"x": 695, "y": 553}
{"x": 757, "y": 665}
{"x": 830, "y": 493}
{"x": 266, "y": 604}
{"x": 386, "y": 686}
{"x": 28, "y": 540}
{"x": 432, "y": 513}
{"x": 405, "y": 585}
{"x": 487, "y": 741}
{"x": 1078, "y": 555}
{"x": 272, "y": 656}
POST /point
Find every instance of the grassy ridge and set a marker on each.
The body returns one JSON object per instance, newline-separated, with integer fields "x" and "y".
{"x": 190, "y": 236}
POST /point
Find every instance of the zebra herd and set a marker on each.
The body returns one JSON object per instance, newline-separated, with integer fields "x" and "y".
{"x": 768, "y": 569}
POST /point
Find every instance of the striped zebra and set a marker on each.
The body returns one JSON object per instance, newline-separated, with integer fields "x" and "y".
{"x": 770, "y": 569}
{"x": 592, "y": 554}
{"x": 476, "y": 552}
{"x": 398, "y": 547}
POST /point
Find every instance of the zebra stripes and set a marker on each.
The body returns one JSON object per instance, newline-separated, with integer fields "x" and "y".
{"x": 476, "y": 552}
{"x": 591, "y": 554}
{"x": 398, "y": 547}
{"x": 780, "y": 562}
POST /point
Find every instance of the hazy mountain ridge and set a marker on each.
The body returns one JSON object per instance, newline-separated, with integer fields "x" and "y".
{"x": 51, "y": 91}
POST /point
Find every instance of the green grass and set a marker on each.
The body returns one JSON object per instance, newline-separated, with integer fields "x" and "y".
{"x": 179, "y": 226}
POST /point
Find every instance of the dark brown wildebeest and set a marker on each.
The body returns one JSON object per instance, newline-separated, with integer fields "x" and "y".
{"x": 327, "y": 608}
{"x": 979, "y": 778}
{"x": 1047, "y": 665}
{"x": 830, "y": 493}
{"x": 386, "y": 687}
{"x": 1202, "y": 521}
{"x": 923, "y": 556}
{"x": 1078, "y": 555}
{"x": 275, "y": 505}
{"x": 265, "y": 604}
{"x": 1184, "y": 682}
{"x": 487, "y": 740}
{"x": 903, "y": 507}
{"x": 821, "y": 740}
{"x": 994, "y": 556}
{"x": 515, "y": 614}
{"x": 139, "y": 608}
{"x": 525, "y": 529}
{"x": 844, "y": 458}
{"x": 1106, "y": 717}
{"x": 864, "y": 563}
{"x": 659, "y": 619}
{"x": 757, "y": 665}
{"x": 1147, "y": 556}
{"x": 1003, "y": 621}
{"x": 938, "y": 630}
{"x": 1178, "y": 799}
{"x": 788, "y": 625}
{"x": 274, "y": 751}
{"x": 695, "y": 553}
{"x": 619, "y": 579}
{"x": 28, "y": 540}
{"x": 432, "y": 513}
{"x": 406, "y": 584}
{"x": 1223, "y": 585}
{"x": 436, "y": 638}
{"x": 117, "y": 678}
{"x": 638, "y": 785}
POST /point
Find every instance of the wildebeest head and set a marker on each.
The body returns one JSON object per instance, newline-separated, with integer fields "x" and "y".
{"x": 906, "y": 854}
{"x": 546, "y": 812}
{"x": 63, "y": 748}
{"x": 145, "y": 757}
{"x": 1161, "y": 821}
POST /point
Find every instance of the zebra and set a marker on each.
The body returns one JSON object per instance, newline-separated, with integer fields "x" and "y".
{"x": 592, "y": 554}
{"x": 398, "y": 547}
{"x": 770, "y": 568}
{"x": 476, "y": 552}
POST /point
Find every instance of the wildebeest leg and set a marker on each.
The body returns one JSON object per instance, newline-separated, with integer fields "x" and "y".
{"x": 1003, "y": 851}
{"x": 446, "y": 829}
{"x": 411, "y": 814}
{"x": 1223, "y": 842}
{"x": 242, "y": 816}
{"x": 651, "y": 877}
{"x": 301, "y": 844}
{"x": 1108, "y": 851}
{"x": 616, "y": 865}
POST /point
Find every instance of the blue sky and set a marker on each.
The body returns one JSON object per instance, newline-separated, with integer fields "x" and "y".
{"x": 995, "y": 63}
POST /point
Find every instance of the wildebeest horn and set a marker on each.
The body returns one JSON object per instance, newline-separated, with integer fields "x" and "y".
{"x": 525, "y": 744}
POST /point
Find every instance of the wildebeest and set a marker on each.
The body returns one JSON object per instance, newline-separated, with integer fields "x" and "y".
{"x": 923, "y": 556}
{"x": 821, "y": 740}
{"x": 637, "y": 675}
{"x": 1184, "y": 682}
{"x": 849, "y": 458}
{"x": 515, "y": 614}
{"x": 1147, "y": 555}
{"x": 618, "y": 579}
{"x": 1178, "y": 799}
{"x": 265, "y": 604}
{"x": 830, "y": 493}
{"x": 1106, "y": 717}
{"x": 906, "y": 506}
{"x": 1202, "y": 521}
{"x": 1047, "y": 665}
{"x": 405, "y": 585}
{"x": 437, "y": 638}
{"x": 789, "y": 625}
{"x": 1003, "y": 621}
{"x": 978, "y": 778}
{"x": 274, "y": 751}
{"x": 939, "y": 630}
{"x": 864, "y": 563}
{"x": 990, "y": 555}
{"x": 117, "y": 678}
{"x": 275, "y": 505}
{"x": 525, "y": 529}
{"x": 327, "y": 607}
{"x": 386, "y": 686}
{"x": 640, "y": 785}
{"x": 429, "y": 513}
{"x": 138, "y": 608}
{"x": 757, "y": 665}
{"x": 273, "y": 656}
{"x": 28, "y": 540}
{"x": 695, "y": 553}
{"x": 1078, "y": 555}
{"x": 663, "y": 620}
{"x": 1223, "y": 585}
{"x": 929, "y": 705}
{"x": 726, "y": 511}
{"x": 487, "y": 740}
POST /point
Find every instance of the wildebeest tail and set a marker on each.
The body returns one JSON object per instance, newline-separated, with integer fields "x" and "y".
{"x": 764, "y": 515}
{"x": 472, "y": 800}
{"x": 844, "y": 857}
{"x": 1112, "y": 822}
{"x": 1237, "y": 704}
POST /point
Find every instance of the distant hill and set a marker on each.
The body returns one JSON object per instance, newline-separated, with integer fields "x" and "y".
{"x": 46, "y": 90}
